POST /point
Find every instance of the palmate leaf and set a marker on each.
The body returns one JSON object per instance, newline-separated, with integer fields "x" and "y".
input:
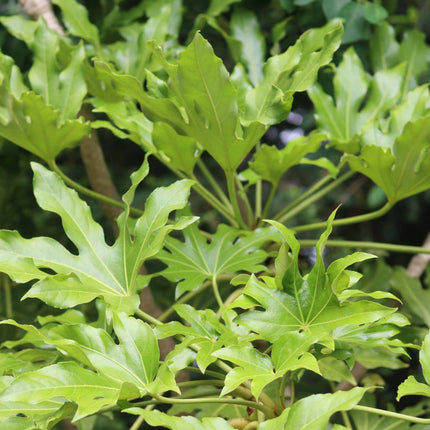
{"x": 90, "y": 391}
{"x": 99, "y": 270}
{"x": 403, "y": 170}
{"x": 293, "y": 303}
{"x": 411, "y": 387}
{"x": 133, "y": 359}
{"x": 195, "y": 260}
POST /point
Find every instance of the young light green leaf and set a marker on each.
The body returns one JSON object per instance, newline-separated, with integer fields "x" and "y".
{"x": 31, "y": 124}
{"x": 345, "y": 118}
{"x": 402, "y": 171}
{"x": 20, "y": 27}
{"x": 252, "y": 365}
{"x": 99, "y": 270}
{"x": 271, "y": 163}
{"x": 216, "y": 7}
{"x": 57, "y": 73}
{"x": 294, "y": 70}
{"x": 157, "y": 418}
{"x": 246, "y": 28}
{"x": 75, "y": 16}
{"x": 193, "y": 261}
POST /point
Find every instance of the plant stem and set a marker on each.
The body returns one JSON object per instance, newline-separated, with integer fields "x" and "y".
{"x": 258, "y": 199}
{"x": 216, "y": 292}
{"x": 391, "y": 414}
{"x": 314, "y": 197}
{"x": 346, "y": 221}
{"x": 146, "y": 317}
{"x": 233, "y": 198}
{"x": 244, "y": 197}
{"x": 304, "y": 196}
{"x": 90, "y": 193}
{"x": 247, "y": 403}
{"x": 207, "y": 372}
{"x": 368, "y": 245}
{"x": 7, "y": 296}
{"x": 269, "y": 200}
{"x": 208, "y": 175}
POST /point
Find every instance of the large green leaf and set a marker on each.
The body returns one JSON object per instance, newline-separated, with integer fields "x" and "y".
{"x": 195, "y": 260}
{"x": 411, "y": 387}
{"x": 157, "y": 418}
{"x": 99, "y": 270}
{"x": 210, "y": 101}
{"x": 90, "y": 391}
{"x": 404, "y": 170}
{"x": 294, "y": 70}
{"x": 309, "y": 304}
{"x": 384, "y": 48}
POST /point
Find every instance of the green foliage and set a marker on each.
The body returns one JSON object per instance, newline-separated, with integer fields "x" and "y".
{"x": 269, "y": 331}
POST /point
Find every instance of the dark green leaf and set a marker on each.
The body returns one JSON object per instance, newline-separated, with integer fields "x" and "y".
{"x": 374, "y": 13}
{"x": 193, "y": 261}
{"x": 356, "y": 26}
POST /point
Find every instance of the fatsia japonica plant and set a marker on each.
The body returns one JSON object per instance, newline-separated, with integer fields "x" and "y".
{"x": 269, "y": 323}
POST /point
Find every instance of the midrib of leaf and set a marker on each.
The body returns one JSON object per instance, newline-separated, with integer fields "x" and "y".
{"x": 312, "y": 303}
{"x": 409, "y": 72}
{"x": 87, "y": 240}
{"x": 215, "y": 270}
{"x": 140, "y": 357}
{"x": 94, "y": 351}
{"x": 194, "y": 241}
{"x": 220, "y": 129}
{"x": 72, "y": 269}
{"x": 296, "y": 294}
{"x": 286, "y": 309}
{"x": 330, "y": 116}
